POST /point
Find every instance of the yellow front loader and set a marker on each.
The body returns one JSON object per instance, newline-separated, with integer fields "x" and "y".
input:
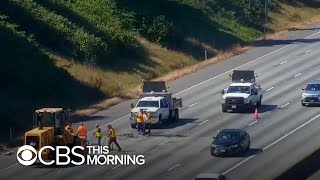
{"x": 49, "y": 130}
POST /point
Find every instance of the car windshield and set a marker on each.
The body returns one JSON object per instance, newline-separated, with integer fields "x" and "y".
{"x": 148, "y": 104}
{"x": 228, "y": 135}
{"x": 313, "y": 87}
{"x": 239, "y": 89}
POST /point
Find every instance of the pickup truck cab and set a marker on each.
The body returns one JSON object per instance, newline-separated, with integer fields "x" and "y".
{"x": 241, "y": 95}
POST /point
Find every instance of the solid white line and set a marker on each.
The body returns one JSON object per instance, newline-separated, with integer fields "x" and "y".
{"x": 297, "y": 75}
{"x": 272, "y": 144}
{"x": 253, "y": 123}
{"x": 285, "y": 105}
{"x": 173, "y": 167}
{"x": 239, "y": 164}
{"x": 242, "y": 65}
{"x": 308, "y": 51}
{"x": 269, "y": 89}
{"x": 193, "y": 104}
{"x": 164, "y": 142}
{"x": 203, "y": 122}
{"x": 283, "y": 62}
{"x": 116, "y": 167}
{"x": 291, "y": 132}
{"x": 8, "y": 167}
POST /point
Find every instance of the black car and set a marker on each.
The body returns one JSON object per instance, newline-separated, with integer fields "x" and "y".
{"x": 230, "y": 141}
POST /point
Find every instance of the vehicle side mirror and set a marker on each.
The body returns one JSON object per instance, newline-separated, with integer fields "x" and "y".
{"x": 213, "y": 137}
{"x": 132, "y": 105}
{"x": 303, "y": 88}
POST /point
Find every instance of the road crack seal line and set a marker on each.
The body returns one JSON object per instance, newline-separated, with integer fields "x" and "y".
{"x": 177, "y": 165}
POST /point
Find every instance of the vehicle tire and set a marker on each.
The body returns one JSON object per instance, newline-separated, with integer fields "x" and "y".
{"x": 176, "y": 114}
{"x": 159, "y": 125}
{"x": 133, "y": 126}
{"x": 259, "y": 102}
{"x": 250, "y": 106}
{"x": 171, "y": 118}
{"x": 248, "y": 147}
{"x": 224, "y": 110}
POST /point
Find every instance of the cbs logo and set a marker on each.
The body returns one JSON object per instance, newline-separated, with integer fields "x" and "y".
{"x": 27, "y": 158}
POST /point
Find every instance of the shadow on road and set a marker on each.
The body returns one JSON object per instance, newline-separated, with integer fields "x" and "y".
{"x": 266, "y": 108}
{"x": 180, "y": 122}
{"x": 42, "y": 166}
{"x": 274, "y": 42}
{"x": 84, "y": 118}
{"x": 261, "y": 109}
{"x": 252, "y": 151}
{"x": 302, "y": 29}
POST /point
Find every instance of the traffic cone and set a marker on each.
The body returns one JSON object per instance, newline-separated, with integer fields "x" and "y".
{"x": 256, "y": 115}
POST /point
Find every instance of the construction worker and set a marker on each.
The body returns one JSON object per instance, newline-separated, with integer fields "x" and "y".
{"x": 140, "y": 121}
{"x": 69, "y": 128}
{"x": 98, "y": 134}
{"x": 82, "y": 134}
{"x": 145, "y": 121}
{"x": 148, "y": 123}
{"x": 112, "y": 137}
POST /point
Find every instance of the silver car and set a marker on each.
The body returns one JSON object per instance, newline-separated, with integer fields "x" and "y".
{"x": 311, "y": 93}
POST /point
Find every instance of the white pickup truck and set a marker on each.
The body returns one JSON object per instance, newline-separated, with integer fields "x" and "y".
{"x": 158, "y": 103}
{"x": 243, "y": 93}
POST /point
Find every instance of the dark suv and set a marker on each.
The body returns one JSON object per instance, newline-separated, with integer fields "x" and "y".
{"x": 230, "y": 141}
{"x": 311, "y": 94}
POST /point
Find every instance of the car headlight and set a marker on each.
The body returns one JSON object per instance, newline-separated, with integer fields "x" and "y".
{"x": 234, "y": 146}
{"x": 223, "y": 101}
{"x": 213, "y": 145}
{"x": 133, "y": 115}
{"x": 304, "y": 95}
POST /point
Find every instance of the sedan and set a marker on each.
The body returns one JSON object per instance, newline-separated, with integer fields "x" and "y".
{"x": 230, "y": 141}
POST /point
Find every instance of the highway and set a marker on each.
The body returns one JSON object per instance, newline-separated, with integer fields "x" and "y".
{"x": 285, "y": 134}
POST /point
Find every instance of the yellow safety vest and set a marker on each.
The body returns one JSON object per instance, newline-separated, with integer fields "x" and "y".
{"x": 98, "y": 133}
{"x": 139, "y": 118}
{"x": 112, "y": 133}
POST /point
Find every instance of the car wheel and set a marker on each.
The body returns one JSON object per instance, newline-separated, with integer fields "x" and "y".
{"x": 250, "y": 107}
{"x": 248, "y": 147}
{"x": 159, "y": 125}
{"x": 176, "y": 114}
{"x": 133, "y": 126}
{"x": 259, "y": 102}
{"x": 224, "y": 110}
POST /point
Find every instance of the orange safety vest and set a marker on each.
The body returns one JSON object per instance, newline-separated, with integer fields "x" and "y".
{"x": 112, "y": 133}
{"x": 140, "y": 118}
{"x": 82, "y": 132}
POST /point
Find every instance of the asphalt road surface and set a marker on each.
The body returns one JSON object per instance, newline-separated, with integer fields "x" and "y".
{"x": 285, "y": 134}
